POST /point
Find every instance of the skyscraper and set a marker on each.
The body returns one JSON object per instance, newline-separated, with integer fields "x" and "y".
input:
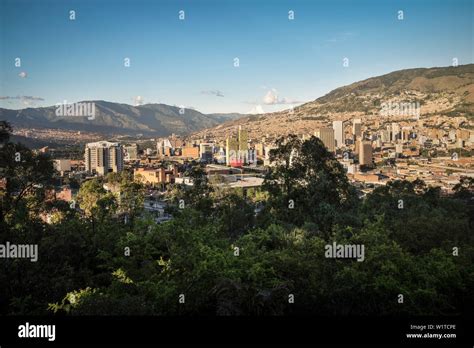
{"x": 231, "y": 149}
{"x": 357, "y": 128}
{"x": 338, "y": 127}
{"x": 365, "y": 152}
{"x": 103, "y": 157}
{"x": 243, "y": 139}
{"x": 327, "y": 137}
{"x": 237, "y": 149}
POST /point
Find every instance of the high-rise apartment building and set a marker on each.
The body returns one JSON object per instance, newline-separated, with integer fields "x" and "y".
{"x": 103, "y": 157}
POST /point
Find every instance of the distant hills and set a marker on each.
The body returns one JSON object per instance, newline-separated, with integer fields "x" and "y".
{"x": 441, "y": 92}
{"x": 116, "y": 118}
{"x": 445, "y": 91}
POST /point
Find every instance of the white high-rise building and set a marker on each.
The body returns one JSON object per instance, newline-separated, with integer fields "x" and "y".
{"x": 338, "y": 127}
{"x": 103, "y": 157}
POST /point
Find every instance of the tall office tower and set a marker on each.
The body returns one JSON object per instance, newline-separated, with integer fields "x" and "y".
{"x": 327, "y": 137}
{"x": 338, "y": 127}
{"x": 243, "y": 139}
{"x": 357, "y": 128}
{"x": 237, "y": 149}
{"x": 231, "y": 150}
{"x": 365, "y": 152}
{"x": 103, "y": 157}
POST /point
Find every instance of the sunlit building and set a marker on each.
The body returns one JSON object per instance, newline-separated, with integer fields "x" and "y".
{"x": 103, "y": 157}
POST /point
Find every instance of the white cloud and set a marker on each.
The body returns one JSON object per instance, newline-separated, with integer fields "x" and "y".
{"x": 138, "y": 100}
{"x": 23, "y": 74}
{"x": 272, "y": 98}
{"x": 216, "y": 92}
{"x": 21, "y": 97}
{"x": 26, "y": 100}
{"x": 257, "y": 109}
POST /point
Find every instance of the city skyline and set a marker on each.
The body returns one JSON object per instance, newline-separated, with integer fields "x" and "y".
{"x": 283, "y": 62}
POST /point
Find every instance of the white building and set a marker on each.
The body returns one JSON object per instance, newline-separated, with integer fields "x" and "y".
{"x": 338, "y": 127}
{"x": 103, "y": 157}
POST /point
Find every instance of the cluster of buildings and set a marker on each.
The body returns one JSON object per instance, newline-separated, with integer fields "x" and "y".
{"x": 372, "y": 153}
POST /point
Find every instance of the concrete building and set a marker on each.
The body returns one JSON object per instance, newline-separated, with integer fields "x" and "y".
{"x": 206, "y": 151}
{"x": 338, "y": 127}
{"x": 190, "y": 152}
{"x": 154, "y": 176}
{"x": 365, "y": 153}
{"x": 103, "y": 157}
{"x": 130, "y": 152}
{"x": 357, "y": 128}
{"x": 243, "y": 139}
{"x": 164, "y": 147}
{"x": 231, "y": 149}
{"x": 237, "y": 149}
{"x": 327, "y": 137}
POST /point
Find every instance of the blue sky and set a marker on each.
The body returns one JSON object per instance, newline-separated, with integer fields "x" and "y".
{"x": 190, "y": 62}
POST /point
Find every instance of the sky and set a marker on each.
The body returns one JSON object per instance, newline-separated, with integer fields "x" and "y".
{"x": 224, "y": 55}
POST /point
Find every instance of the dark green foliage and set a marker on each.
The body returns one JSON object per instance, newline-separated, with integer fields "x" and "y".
{"x": 227, "y": 261}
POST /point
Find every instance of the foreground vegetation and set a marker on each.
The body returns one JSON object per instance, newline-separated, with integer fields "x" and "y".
{"x": 226, "y": 259}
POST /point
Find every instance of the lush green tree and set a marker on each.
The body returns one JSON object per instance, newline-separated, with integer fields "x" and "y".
{"x": 307, "y": 184}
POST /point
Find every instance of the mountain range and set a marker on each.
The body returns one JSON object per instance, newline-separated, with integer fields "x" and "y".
{"x": 116, "y": 118}
{"x": 440, "y": 92}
